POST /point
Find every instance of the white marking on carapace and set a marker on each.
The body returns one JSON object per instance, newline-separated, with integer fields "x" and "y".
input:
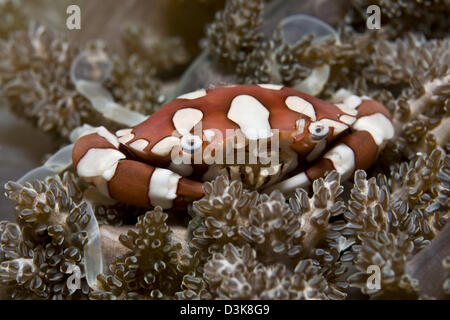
{"x": 123, "y": 132}
{"x": 193, "y": 95}
{"x": 379, "y": 127}
{"x": 104, "y": 133}
{"x": 338, "y": 126}
{"x": 350, "y": 105}
{"x": 298, "y": 181}
{"x": 99, "y": 162}
{"x": 163, "y": 147}
{"x": 271, "y": 86}
{"x": 353, "y": 101}
{"x": 126, "y": 138}
{"x": 185, "y": 119}
{"x": 302, "y": 106}
{"x": 300, "y": 126}
{"x": 343, "y": 159}
{"x": 347, "y": 119}
{"x": 317, "y": 151}
{"x": 139, "y": 144}
{"x": 251, "y": 116}
{"x": 163, "y": 188}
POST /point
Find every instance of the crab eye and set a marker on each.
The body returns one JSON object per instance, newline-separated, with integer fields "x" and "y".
{"x": 190, "y": 143}
{"x": 318, "y": 130}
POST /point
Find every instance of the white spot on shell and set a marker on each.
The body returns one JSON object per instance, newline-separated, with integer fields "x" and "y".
{"x": 104, "y": 133}
{"x": 163, "y": 188}
{"x": 300, "y": 105}
{"x": 353, "y": 101}
{"x": 139, "y": 144}
{"x": 99, "y": 162}
{"x": 123, "y": 132}
{"x": 193, "y": 95}
{"x": 271, "y": 86}
{"x": 317, "y": 151}
{"x": 338, "y": 126}
{"x": 163, "y": 147}
{"x": 343, "y": 159}
{"x": 379, "y": 127}
{"x": 126, "y": 138}
{"x": 185, "y": 119}
{"x": 251, "y": 116}
{"x": 347, "y": 119}
{"x": 350, "y": 105}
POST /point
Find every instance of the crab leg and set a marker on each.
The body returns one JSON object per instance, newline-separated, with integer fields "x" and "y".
{"x": 371, "y": 129}
{"x": 99, "y": 159}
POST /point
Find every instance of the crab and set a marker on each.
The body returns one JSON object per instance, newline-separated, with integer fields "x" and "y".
{"x": 268, "y": 136}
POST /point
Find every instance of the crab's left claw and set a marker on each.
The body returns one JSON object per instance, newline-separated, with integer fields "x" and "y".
{"x": 99, "y": 158}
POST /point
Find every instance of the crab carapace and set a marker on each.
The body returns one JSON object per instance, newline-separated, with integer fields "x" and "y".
{"x": 304, "y": 137}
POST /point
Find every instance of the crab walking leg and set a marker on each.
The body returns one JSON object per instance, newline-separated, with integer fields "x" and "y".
{"x": 372, "y": 129}
{"x": 99, "y": 161}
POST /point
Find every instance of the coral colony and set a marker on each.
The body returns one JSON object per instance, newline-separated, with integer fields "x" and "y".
{"x": 301, "y": 160}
